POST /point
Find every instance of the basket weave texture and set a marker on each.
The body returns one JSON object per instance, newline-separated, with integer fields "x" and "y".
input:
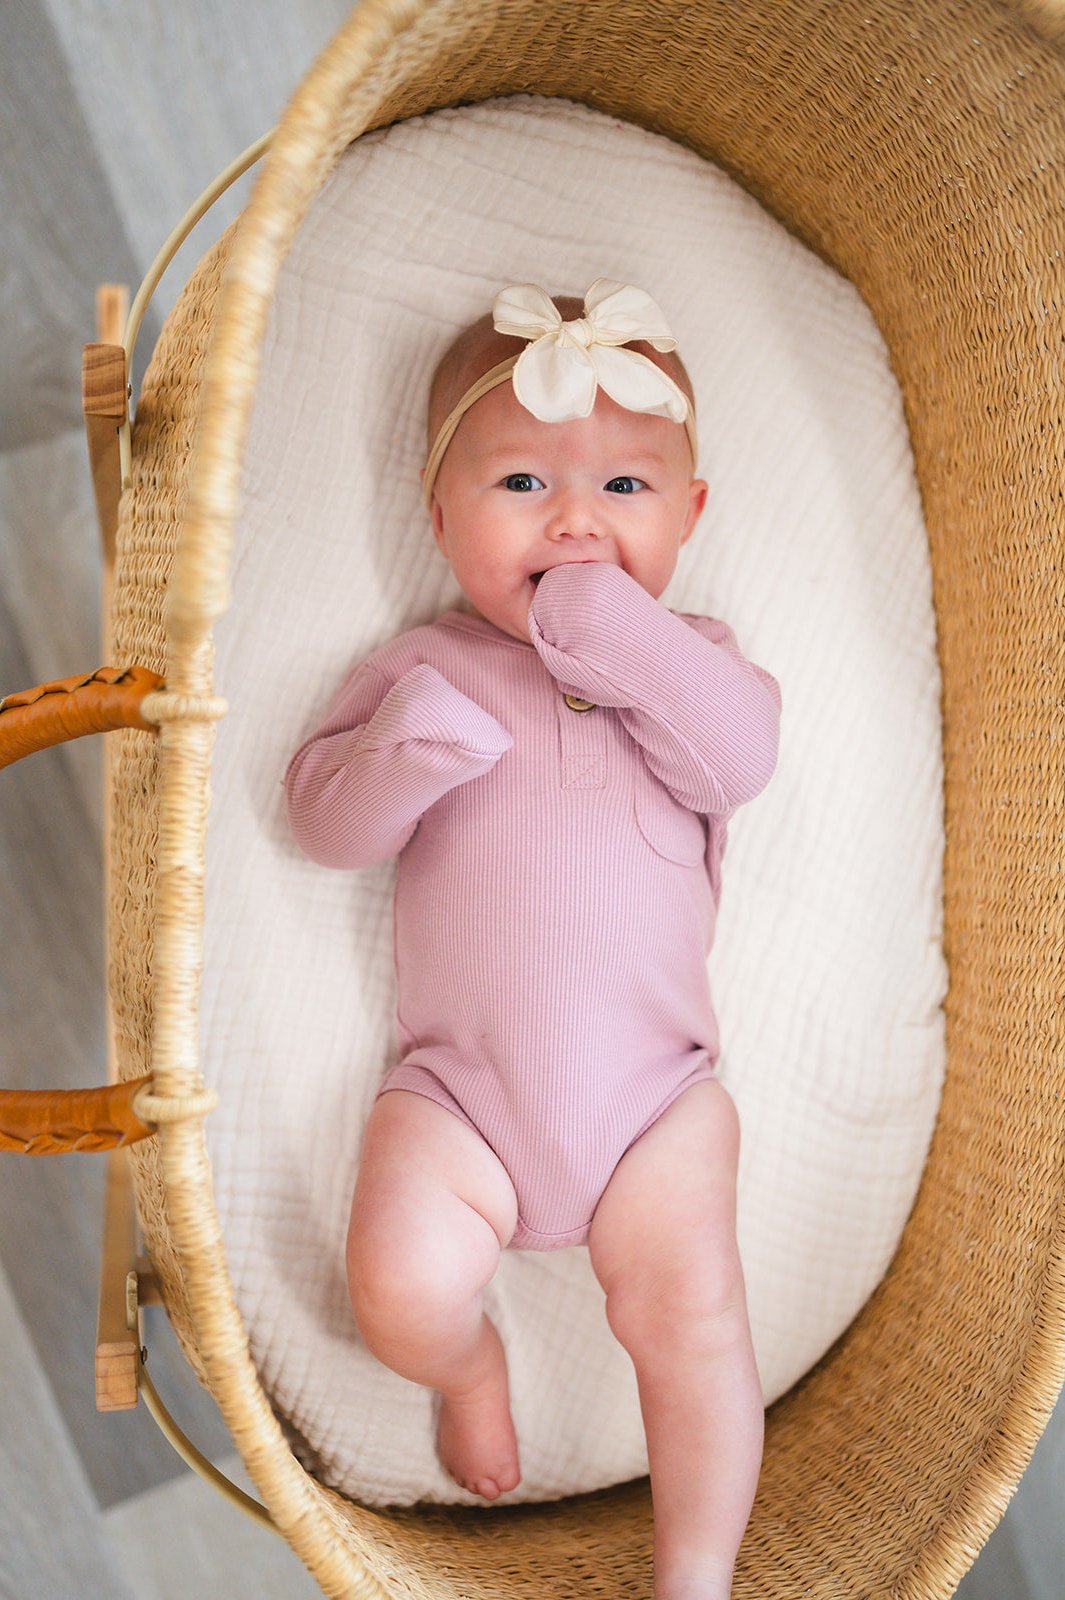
{"x": 920, "y": 148}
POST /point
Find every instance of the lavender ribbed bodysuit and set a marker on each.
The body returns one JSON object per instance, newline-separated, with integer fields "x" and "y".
{"x": 559, "y": 869}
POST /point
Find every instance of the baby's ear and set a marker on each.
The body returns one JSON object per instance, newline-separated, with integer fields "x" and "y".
{"x": 697, "y": 494}
{"x": 436, "y": 517}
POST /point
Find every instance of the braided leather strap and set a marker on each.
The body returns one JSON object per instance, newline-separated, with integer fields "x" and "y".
{"x": 67, "y": 708}
{"x": 42, "y": 1122}
{"x": 48, "y": 1121}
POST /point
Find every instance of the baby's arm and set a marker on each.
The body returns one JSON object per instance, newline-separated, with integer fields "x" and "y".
{"x": 358, "y": 786}
{"x": 707, "y": 718}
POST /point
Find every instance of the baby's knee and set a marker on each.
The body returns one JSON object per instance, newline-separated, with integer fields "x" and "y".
{"x": 698, "y": 1310}
{"x": 414, "y": 1280}
{"x": 390, "y": 1282}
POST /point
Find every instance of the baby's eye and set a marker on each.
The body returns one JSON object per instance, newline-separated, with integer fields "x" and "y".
{"x": 625, "y": 485}
{"x": 522, "y": 482}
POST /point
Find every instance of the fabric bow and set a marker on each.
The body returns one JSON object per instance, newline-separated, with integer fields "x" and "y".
{"x": 557, "y": 375}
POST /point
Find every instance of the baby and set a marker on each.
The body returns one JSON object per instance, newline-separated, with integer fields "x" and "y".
{"x": 556, "y": 770}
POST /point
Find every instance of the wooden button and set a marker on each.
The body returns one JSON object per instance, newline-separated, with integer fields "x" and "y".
{"x": 575, "y": 703}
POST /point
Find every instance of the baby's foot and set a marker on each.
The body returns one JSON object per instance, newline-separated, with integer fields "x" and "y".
{"x": 476, "y": 1441}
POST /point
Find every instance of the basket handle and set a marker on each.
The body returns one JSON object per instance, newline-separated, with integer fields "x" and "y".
{"x": 46, "y": 1121}
{"x": 67, "y": 708}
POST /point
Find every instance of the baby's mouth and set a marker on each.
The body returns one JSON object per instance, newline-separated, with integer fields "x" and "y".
{"x": 534, "y": 577}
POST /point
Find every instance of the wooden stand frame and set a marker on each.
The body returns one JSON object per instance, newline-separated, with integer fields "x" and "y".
{"x": 105, "y": 397}
{"x": 127, "y": 1280}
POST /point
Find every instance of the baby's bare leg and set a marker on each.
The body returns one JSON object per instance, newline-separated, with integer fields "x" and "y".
{"x": 433, "y": 1207}
{"x": 663, "y": 1245}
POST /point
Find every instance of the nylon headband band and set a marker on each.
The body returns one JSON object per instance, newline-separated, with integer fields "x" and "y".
{"x": 491, "y": 380}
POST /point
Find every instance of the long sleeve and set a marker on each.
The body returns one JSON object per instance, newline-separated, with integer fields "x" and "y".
{"x": 358, "y": 786}
{"x": 707, "y": 718}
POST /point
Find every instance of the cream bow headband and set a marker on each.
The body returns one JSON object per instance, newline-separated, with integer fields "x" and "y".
{"x": 556, "y": 376}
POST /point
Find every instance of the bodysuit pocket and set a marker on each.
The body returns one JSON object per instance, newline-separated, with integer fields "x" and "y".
{"x": 669, "y": 828}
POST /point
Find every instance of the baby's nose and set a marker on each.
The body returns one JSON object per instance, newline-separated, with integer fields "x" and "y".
{"x": 576, "y": 517}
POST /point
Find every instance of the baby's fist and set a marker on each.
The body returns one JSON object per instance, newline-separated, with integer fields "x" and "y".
{"x": 582, "y": 615}
{"x": 580, "y": 604}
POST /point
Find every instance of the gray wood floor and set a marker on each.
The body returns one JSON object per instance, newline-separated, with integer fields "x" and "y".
{"x": 112, "y": 119}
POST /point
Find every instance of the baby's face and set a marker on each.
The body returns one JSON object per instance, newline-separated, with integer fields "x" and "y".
{"x": 515, "y": 496}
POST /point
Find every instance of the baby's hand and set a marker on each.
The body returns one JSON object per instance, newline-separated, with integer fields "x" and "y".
{"x": 357, "y": 788}
{"x": 586, "y": 600}
{"x": 581, "y": 621}
{"x": 423, "y": 705}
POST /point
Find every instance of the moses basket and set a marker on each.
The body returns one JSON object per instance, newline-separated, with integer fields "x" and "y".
{"x": 920, "y": 149}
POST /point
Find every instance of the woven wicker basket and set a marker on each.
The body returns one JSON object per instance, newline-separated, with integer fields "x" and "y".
{"x": 920, "y": 148}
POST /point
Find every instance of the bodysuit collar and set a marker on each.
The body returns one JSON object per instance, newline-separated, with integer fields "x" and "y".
{"x": 467, "y": 622}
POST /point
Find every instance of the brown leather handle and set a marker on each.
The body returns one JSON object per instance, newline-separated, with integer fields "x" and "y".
{"x": 67, "y": 708}
{"x": 44, "y": 1122}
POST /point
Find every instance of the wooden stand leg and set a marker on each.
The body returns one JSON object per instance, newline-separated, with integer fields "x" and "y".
{"x": 104, "y": 400}
{"x": 117, "y": 1344}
